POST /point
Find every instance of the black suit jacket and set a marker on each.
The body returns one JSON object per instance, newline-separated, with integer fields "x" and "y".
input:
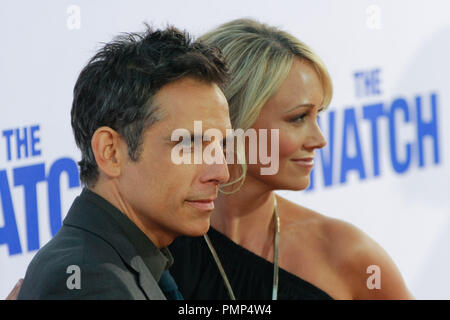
{"x": 110, "y": 267}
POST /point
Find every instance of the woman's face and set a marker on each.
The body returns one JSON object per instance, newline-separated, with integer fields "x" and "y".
{"x": 293, "y": 110}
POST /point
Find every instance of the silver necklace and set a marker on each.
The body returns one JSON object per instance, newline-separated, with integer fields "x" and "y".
{"x": 275, "y": 258}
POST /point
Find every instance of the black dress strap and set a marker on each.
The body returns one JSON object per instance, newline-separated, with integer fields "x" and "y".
{"x": 250, "y": 276}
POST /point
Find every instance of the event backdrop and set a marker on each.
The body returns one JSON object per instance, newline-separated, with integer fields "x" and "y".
{"x": 385, "y": 168}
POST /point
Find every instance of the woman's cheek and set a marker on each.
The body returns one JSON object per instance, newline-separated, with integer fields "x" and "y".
{"x": 288, "y": 145}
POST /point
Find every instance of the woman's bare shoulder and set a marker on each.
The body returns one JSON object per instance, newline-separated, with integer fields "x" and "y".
{"x": 296, "y": 218}
{"x": 334, "y": 231}
{"x": 346, "y": 249}
{"x": 339, "y": 239}
{"x": 300, "y": 224}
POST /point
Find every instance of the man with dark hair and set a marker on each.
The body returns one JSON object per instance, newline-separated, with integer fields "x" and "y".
{"x": 128, "y": 100}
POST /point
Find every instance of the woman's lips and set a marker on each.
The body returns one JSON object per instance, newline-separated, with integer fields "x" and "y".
{"x": 305, "y": 162}
{"x": 205, "y": 205}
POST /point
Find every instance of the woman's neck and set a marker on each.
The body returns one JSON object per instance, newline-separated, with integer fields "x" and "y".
{"x": 246, "y": 217}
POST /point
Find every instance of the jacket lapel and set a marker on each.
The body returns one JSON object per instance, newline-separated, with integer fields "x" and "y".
{"x": 85, "y": 215}
{"x": 146, "y": 280}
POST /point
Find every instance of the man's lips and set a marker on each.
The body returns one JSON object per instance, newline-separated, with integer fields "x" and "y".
{"x": 304, "y": 162}
{"x": 202, "y": 204}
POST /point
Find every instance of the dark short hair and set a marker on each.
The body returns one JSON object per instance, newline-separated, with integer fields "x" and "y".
{"x": 116, "y": 87}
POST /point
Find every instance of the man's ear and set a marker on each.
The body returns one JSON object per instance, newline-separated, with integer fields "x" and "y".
{"x": 108, "y": 152}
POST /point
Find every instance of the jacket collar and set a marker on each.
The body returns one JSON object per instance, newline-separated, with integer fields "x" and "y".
{"x": 94, "y": 214}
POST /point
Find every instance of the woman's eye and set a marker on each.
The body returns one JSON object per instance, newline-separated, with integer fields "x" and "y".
{"x": 298, "y": 118}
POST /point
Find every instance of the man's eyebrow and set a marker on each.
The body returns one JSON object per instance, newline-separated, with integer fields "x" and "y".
{"x": 305, "y": 105}
{"x": 191, "y": 135}
{"x": 201, "y": 137}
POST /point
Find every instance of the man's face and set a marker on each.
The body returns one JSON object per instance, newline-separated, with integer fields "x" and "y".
{"x": 164, "y": 198}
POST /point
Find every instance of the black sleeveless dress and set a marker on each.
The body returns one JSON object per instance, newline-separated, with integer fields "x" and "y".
{"x": 250, "y": 276}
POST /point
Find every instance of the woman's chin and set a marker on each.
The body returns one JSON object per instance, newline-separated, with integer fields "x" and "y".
{"x": 294, "y": 185}
{"x": 284, "y": 181}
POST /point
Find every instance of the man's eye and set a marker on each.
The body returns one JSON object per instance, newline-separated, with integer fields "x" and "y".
{"x": 228, "y": 148}
{"x": 225, "y": 151}
{"x": 187, "y": 143}
{"x": 224, "y": 145}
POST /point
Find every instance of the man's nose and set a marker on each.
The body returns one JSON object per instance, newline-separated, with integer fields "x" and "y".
{"x": 216, "y": 171}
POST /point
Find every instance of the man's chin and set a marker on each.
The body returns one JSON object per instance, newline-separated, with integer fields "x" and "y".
{"x": 198, "y": 230}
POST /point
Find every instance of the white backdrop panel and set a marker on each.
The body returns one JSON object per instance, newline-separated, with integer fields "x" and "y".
{"x": 385, "y": 57}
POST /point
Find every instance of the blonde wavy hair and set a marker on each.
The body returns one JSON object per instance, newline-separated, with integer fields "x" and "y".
{"x": 259, "y": 58}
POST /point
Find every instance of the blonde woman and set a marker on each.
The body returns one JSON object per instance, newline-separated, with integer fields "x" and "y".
{"x": 260, "y": 245}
